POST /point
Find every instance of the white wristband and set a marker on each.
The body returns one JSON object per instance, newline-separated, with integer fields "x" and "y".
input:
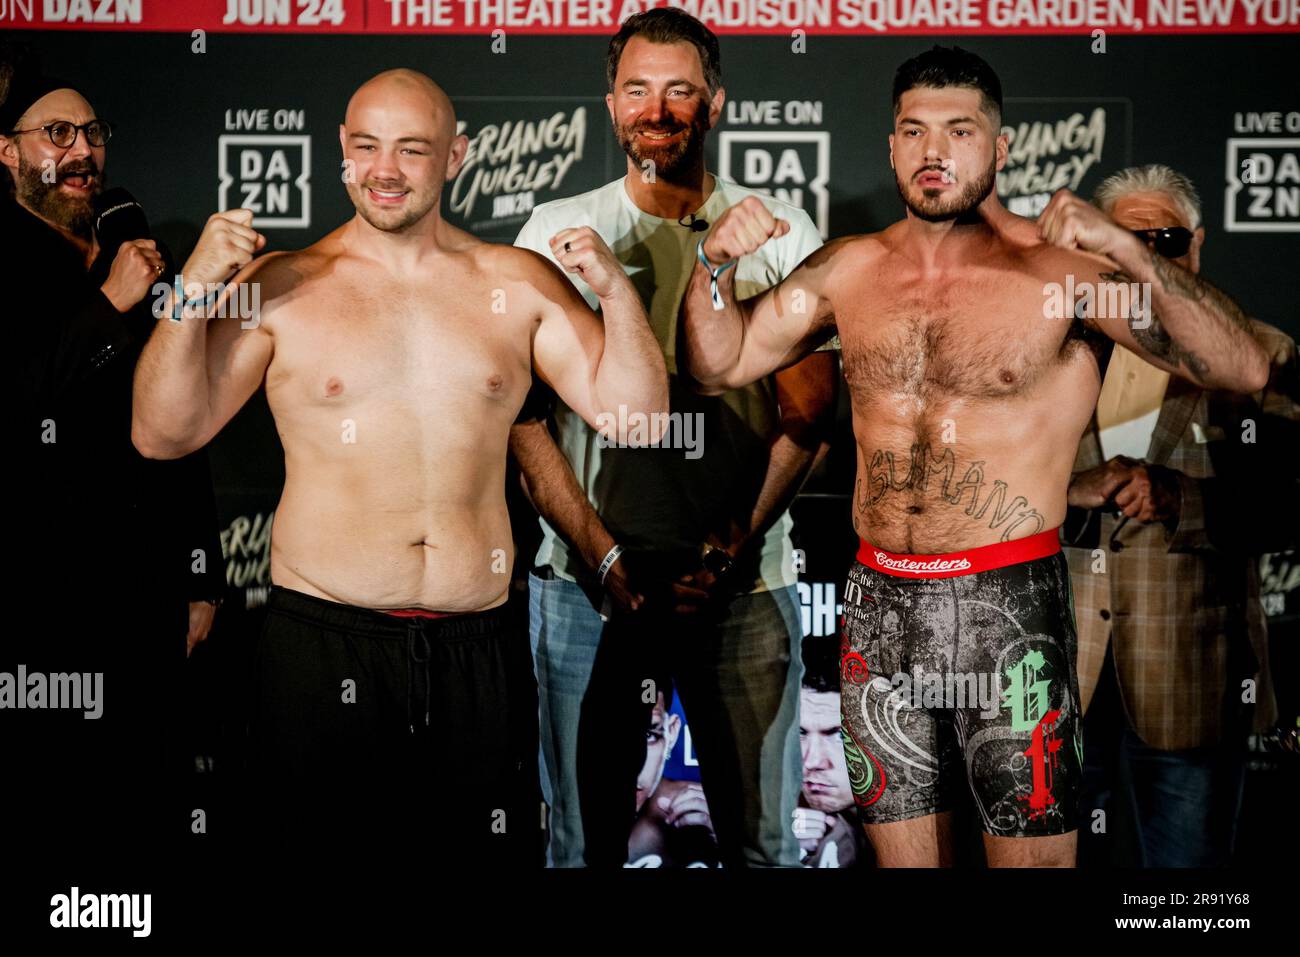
{"x": 714, "y": 272}
{"x": 610, "y": 558}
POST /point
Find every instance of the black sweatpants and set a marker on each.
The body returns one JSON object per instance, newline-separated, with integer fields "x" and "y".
{"x": 372, "y": 727}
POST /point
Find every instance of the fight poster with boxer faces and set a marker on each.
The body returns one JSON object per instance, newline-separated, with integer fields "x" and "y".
{"x": 667, "y": 789}
{"x": 674, "y": 827}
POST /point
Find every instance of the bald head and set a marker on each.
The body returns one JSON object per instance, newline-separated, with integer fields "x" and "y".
{"x": 399, "y": 138}
{"x": 402, "y": 90}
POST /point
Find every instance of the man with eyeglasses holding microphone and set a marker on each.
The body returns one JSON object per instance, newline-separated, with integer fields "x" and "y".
{"x": 116, "y": 559}
{"x": 1175, "y": 493}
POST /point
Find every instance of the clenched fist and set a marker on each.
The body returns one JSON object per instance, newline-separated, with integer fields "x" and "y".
{"x": 1073, "y": 223}
{"x": 226, "y": 245}
{"x": 741, "y": 230}
{"x": 810, "y": 826}
{"x": 135, "y": 269}
{"x": 581, "y": 250}
{"x": 687, "y": 808}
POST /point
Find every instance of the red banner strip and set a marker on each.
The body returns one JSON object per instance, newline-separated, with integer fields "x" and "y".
{"x": 754, "y": 17}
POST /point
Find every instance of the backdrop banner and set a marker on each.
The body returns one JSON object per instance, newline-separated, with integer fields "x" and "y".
{"x": 845, "y": 17}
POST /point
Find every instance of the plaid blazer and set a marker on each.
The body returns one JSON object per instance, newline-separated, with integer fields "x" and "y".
{"x": 1179, "y": 601}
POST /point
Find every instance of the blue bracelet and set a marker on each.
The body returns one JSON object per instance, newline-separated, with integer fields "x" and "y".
{"x": 714, "y": 273}
{"x": 180, "y": 303}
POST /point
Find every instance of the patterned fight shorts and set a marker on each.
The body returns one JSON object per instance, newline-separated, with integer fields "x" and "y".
{"x": 963, "y": 661}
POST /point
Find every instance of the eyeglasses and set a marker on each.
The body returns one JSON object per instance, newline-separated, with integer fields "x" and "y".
{"x": 1170, "y": 242}
{"x": 64, "y": 133}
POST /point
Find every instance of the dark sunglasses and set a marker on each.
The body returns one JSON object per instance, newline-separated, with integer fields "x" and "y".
{"x": 64, "y": 133}
{"x": 1170, "y": 242}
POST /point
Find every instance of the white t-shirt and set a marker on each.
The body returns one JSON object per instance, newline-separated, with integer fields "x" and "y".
{"x": 670, "y": 498}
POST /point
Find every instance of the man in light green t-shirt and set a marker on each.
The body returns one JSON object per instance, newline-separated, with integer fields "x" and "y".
{"x": 672, "y": 565}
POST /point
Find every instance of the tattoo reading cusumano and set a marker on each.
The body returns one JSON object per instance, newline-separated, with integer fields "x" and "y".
{"x": 882, "y": 479}
{"x": 79, "y": 691}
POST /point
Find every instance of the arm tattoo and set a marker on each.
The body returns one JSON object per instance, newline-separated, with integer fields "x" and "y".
{"x": 1154, "y": 339}
{"x": 1178, "y": 281}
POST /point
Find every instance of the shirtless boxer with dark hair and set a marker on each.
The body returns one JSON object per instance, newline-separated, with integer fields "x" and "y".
{"x": 968, "y": 404}
{"x": 396, "y": 353}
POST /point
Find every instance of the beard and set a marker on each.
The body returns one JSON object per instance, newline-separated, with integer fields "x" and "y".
{"x": 672, "y": 160}
{"x": 417, "y": 206}
{"x": 937, "y": 209}
{"x": 76, "y": 214}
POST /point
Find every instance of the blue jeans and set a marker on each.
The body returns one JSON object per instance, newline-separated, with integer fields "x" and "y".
{"x": 738, "y": 678}
{"x": 1163, "y": 808}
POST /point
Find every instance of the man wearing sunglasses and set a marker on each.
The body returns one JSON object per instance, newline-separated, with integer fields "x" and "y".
{"x": 1176, "y": 491}
{"x": 110, "y": 548}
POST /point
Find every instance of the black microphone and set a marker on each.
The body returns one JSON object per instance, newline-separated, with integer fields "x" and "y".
{"x": 696, "y": 225}
{"x": 118, "y": 219}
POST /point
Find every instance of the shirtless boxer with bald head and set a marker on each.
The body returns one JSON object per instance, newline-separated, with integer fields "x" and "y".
{"x": 968, "y": 404}
{"x": 396, "y": 352}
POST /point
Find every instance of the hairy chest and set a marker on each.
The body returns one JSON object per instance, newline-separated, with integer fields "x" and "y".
{"x": 936, "y": 342}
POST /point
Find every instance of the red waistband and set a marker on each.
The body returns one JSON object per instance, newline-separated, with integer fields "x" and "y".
{"x": 968, "y": 562}
{"x": 419, "y": 613}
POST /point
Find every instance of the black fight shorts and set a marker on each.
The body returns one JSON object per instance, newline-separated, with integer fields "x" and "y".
{"x": 959, "y": 670}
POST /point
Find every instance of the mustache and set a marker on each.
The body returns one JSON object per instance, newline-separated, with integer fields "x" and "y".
{"x": 80, "y": 168}
{"x": 651, "y": 128}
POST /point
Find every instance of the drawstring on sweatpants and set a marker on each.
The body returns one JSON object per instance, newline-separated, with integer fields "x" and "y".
{"x": 414, "y": 630}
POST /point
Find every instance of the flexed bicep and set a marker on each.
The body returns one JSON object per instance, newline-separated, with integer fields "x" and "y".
{"x": 238, "y": 355}
{"x": 199, "y": 367}
{"x": 608, "y": 368}
{"x": 791, "y": 319}
{"x": 731, "y": 343}
{"x": 567, "y": 346}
